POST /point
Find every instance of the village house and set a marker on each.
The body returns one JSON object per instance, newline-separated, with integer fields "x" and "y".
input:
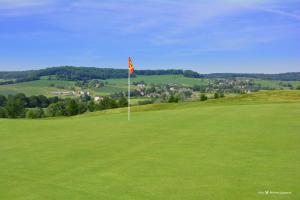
{"x": 98, "y": 98}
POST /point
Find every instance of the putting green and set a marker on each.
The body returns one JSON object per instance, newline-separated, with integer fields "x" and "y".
{"x": 189, "y": 151}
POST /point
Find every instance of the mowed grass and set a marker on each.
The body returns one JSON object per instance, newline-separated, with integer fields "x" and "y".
{"x": 36, "y": 87}
{"x": 176, "y": 151}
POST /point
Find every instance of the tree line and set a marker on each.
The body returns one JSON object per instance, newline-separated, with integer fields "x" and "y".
{"x": 21, "y": 106}
{"x": 289, "y": 76}
{"x": 88, "y": 73}
{"x": 83, "y": 73}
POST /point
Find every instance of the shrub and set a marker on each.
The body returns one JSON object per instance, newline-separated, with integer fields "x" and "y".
{"x": 82, "y": 108}
{"x": 3, "y": 112}
{"x": 203, "y": 97}
{"x": 216, "y": 95}
{"x": 72, "y": 107}
{"x": 146, "y": 102}
{"x": 122, "y": 102}
{"x": 56, "y": 109}
{"x": 2, "y": 100}
{"x": 35, "y": 113}
{"x": 15, "y": 107}
{"x": 91, "y": 106}
{"x": 107, "y": 103}
{"x": 173, "y": 99}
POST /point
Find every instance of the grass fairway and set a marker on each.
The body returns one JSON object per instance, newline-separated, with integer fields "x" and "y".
{"x": 192, "y": 151}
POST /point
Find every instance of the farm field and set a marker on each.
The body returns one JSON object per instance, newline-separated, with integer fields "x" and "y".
{"x": 230, "y": 148}
{"x": 276, "y": 84}
{"x": 44, "y": 87}
{"x": 113, "y": 85}
{"x": 162, "y": 79}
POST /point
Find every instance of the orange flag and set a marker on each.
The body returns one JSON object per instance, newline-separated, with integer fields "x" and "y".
{"x": 130, "y": 66}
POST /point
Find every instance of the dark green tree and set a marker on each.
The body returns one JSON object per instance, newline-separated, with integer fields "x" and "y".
{"x": 35, "y": 113}
{"x": 3, "y": 100}
{"x": 3, "y": 112}
{"x": 107, "y": 103}
{"x": 56, "y": 109}
{"x": 173, "y": 99}
{"x": 203, "y": 97}
{"x": 216, "y": 95}
{"x": 122, "y": 102}
{"x": 53, "y": 100}
{"x": 91, "y": 106}
{"x": 22, "y": 97}
{"x": 82, "y": 107}
{"x": 72, "y": 107}
{"x": 43, "y": 101}
{"x": 33, "y": 101}
{"x": 15, "y": 106}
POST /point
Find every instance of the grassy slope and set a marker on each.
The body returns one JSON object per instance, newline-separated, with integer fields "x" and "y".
{"x": 275, "y": 83}
{"x": 214, "y": 150}
{"x": 162, "y": 79}
{"x": 116, "y": 85}
{"x": 35, "y": 87}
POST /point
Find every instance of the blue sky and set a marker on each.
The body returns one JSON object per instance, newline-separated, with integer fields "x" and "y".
{"x": 203, "y": 35}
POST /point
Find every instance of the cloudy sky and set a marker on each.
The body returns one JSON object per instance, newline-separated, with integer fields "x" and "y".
{"x": 203, "y": 35}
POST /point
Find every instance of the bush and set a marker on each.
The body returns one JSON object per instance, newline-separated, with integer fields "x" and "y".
{"x": 15, "y": 106}
{"x": 173, "y": 99}
{"x": 72, "y": 107}
{"x": 82, "y": 108}
{"x": 145, "y": 102}
{"x": 107, "y": 103}
{"x": 35, "y": 113}
{"x": 122, "y": 102}
{"x": 3, "y": 112}
{"x": 216, "y": 95}
{"x": 203, "y": 97}
{"x": 56, "y": 109}
{"x": 91, "y": 106}
{"x": 2, "y": 100}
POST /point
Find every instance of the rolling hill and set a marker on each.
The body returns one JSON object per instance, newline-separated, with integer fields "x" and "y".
{"x": 48, "y": 87}
{"x": 232, "y": 148}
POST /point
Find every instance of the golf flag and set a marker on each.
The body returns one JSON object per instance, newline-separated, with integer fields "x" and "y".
{"x": 130, "y": 66}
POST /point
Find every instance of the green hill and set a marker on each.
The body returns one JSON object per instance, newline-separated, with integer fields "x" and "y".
{"x": 231, "y": 148}
{"x": 48, "y": 87}
{"x": 37, "y": 87}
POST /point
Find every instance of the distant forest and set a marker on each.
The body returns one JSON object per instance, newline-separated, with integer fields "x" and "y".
{"x": 289, "y": 76}
{"x": 87, "y": 73}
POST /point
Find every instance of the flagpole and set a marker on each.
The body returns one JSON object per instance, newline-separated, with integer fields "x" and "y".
{"x": 128, "y": 95}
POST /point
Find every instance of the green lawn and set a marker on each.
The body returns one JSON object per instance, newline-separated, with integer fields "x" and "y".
{"x": 221, "y": 149}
